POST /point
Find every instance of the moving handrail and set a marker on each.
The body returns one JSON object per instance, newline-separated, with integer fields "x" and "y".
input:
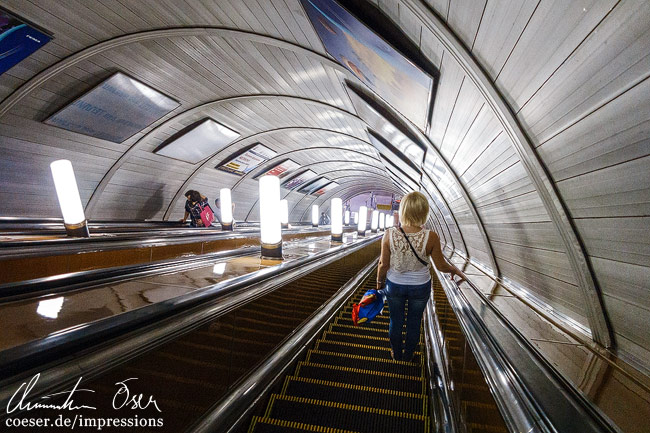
{"x": 235, "y": 407}
{"x": 531, "y": 395}
{"x": 29, "y": 248}
{"x": 148, "y": 327}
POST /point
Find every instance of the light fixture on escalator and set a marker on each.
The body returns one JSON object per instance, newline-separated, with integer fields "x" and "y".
{"x": 284, "y": 213}
{"x": 225, "y": 205}
{"x": 382, "y": 221}
{"x": 270, "y": 225}
{"x": 314, "y": 215}
{"x": 65, "y": 183}
{"x": 336, "y": 209}
{"x": 356, "y": 217}
{"x": 363, "y": 216}
{"x": 374, "y": 223}
{"x": 347, "y": 218}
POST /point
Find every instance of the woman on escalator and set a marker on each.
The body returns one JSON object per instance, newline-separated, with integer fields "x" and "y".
{"x": 404, "y": 270}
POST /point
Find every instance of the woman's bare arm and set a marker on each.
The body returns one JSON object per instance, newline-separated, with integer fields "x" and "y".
{"x": 438, "y": 258}
{"x": 384, "y": 261}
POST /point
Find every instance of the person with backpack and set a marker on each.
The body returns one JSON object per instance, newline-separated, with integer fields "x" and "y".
{"x": 404, "y": 272}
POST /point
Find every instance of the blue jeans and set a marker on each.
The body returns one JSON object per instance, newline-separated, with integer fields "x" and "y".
{"x": 397, "y": 295}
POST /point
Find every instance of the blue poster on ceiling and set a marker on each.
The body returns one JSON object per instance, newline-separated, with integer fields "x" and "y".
{"x": 378, "y": 65}
{"x": 17, "y": 40}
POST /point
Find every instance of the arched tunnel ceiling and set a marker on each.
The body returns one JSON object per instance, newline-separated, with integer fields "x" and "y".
{"x": 572, "y": 77}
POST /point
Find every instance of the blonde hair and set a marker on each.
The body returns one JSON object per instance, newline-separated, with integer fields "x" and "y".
{"x": 414, "y": 209}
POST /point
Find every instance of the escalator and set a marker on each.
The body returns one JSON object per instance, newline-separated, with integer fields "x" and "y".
{"x": 348, "y": 382}
{"x": 477, "y": 409}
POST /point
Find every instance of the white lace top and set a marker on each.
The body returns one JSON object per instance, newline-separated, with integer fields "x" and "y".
{"x": 405, "y": 268}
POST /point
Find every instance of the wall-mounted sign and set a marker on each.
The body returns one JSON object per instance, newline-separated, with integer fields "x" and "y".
{"x": 314, "y": 186}
{"x": 330, "y": 186}
{"x": 197, "y": 142}
{"x": 116, "y": 109}
{"x": 247, "y": 161}
{"x": 299, "y": 179}
{"x": 378, "y": 65}
{"x": 281, "y": 169}
{"x": 17, "y": 40}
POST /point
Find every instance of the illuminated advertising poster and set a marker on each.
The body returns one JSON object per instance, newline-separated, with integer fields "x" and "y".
{"x": 314, "y": 186}
{"x": 378, "y": 65}
{"x": 17, "y": 40}
{"x": 114, "y": 110}
{"x": 298, "y": 180}
{"x": 330, "y": 186}
{"x": 282, "y": 169}
{"x": 248, "y": 161}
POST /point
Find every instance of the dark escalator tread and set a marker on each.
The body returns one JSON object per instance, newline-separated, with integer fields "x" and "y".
{"x": 483, "y": 428}
{"x": 375, "y": 324}
{"x": 354, "y": 376}
{"x": 482, "y": 413}
{"x": 364, "y": 362}
{"x": 378, "y": 332}
{"x": 374, "y": 351}
{"x": 347, "y": 417}
{"x": 272, "y": 425}
{"x": 355, "y": 395}
{"x": 355, "y": 337}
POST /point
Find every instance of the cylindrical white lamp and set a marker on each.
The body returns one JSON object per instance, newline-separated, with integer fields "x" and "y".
{"x": 363, "y": 216}
{"x": 270, "y": 225}
{"x": 314, "y": 215}
{"x": 337, "y": 219}
{"x": 284, "y": 213}
{"x": 382, "y": 221}
{"x": 347, "y": 217}
{"x": 65, "y": 183}
{"x": 225, "y": 203}
{"x": 356, "y": 217}
{"x": 374, "y": 222}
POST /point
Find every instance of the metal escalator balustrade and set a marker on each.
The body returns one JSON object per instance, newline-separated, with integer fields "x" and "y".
{"x": 189, "y": 373}
{"x": 475, "y": 407}
{"x": 348, "y": 382}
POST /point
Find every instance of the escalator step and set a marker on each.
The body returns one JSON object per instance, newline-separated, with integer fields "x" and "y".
{"x": 482, "y": 413}
{"x": 363, "y": 362}
{"x": 350, "y": 337}
{"x": 381, "y": 332}
{"x": 358, "y": 376}
{"x": 375, "y": 324}
{"x": 347, "y": 417}
{"x": 355, "y": 395}
{"x": 381, "y": 318}
{"x": 374, "y": 351}
{"x": 483, "y": 428}
{"x": 477, "y": 393}
{"x": 272, "y": 425}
